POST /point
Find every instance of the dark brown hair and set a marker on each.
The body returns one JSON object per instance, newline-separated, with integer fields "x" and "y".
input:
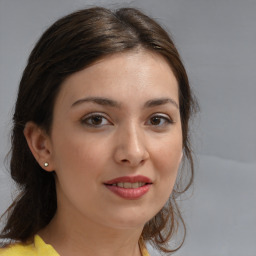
{"x": 70, "y": 45}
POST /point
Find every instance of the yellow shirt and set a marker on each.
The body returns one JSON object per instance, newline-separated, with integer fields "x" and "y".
{"x": 40, "y": 248}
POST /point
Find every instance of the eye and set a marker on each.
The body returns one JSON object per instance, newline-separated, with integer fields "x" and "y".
{"x": 159, "y": 120}
{"x": 95, "y": 120}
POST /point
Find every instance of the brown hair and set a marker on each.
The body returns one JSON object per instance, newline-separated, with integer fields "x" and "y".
{"x": 69, "y": 45}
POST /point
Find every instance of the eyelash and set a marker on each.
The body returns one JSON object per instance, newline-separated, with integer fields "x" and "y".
{"x": 90, "y": 117}
{"x": 167, "y": 119}
{"x": 87, "y": 120}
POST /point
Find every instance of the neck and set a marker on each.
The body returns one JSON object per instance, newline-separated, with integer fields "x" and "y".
{"x": 77, "y": 238}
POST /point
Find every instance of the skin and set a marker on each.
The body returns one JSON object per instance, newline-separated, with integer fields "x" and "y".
{"x": 128, "y": 138}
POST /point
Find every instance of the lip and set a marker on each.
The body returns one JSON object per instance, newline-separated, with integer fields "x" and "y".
{"x": 131, "y": 179}
{"x": 129, "y": 193}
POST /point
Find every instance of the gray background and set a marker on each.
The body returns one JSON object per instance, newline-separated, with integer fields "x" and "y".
{"x": 217, "y": 41}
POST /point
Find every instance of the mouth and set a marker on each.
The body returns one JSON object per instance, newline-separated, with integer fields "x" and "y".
{"x": 129, "y": 187}
{"x": 128, "y": 184}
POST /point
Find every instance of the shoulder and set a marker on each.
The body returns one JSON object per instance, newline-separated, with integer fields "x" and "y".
{"x": 143, "y": 249}
{"x": 37, "y": 248}
{"x": 17, "y": 249}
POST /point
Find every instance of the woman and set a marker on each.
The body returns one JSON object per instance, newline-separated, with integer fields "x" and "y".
{"x": 100, "y": 129}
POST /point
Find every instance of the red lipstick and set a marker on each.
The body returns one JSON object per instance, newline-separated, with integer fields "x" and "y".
{"x": 129, "y": 187}
{"x": 131, "y": 179}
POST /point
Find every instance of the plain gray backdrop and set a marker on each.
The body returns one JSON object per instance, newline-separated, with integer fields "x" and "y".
{"x": 217, "y": 41}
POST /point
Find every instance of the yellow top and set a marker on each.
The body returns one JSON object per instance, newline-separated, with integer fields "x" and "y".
{"x": 40, "y": 248}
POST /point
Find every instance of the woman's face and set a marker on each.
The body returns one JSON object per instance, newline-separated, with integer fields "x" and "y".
{"x": 116, "y": 140}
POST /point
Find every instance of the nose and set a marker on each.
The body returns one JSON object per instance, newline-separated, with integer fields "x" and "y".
{"x": 130, "y": 147}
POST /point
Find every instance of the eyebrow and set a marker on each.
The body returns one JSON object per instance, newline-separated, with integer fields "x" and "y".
{"x": 161, "y": 101}
{"x": 99, "y": 101}
{"x": 113, "y": 103}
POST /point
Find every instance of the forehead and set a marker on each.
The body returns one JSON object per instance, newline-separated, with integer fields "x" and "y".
{"x": 124, "y": 76}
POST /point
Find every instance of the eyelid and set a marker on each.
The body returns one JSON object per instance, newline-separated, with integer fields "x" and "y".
{"x": 163, "y": 115}
{"x": 93, "y": 114}
{"x": 166, "y": 117}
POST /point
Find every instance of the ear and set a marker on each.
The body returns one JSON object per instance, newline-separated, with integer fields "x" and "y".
{"x": 39, "y": 144}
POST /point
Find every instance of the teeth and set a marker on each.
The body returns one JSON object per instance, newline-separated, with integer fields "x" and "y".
{"x": 142, "y": 184}
{"x": 135, "y": 185}
{"x": 129, "y": 185}
{"x": 120, "y": 184}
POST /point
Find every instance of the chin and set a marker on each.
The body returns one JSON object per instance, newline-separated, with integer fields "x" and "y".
{"x": 129, "y": 220}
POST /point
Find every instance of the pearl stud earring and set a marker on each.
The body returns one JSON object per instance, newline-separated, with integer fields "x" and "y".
{"x": 46, "y": 164}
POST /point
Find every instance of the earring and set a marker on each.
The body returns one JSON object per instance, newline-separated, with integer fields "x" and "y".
{"x": 46, "y": 164}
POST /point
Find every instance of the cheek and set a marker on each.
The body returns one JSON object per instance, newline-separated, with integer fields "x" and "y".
{"x": 167, "y": 160}
{"x": 78, "y": 155}
{"x": 78, "y": 169}
{"x": 75, "y": 146}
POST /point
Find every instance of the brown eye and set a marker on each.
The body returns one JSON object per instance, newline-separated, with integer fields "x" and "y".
{"x": 155, "y": 120}
{"x": 159, "y": 120}
{"x": 95, "y": 120}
